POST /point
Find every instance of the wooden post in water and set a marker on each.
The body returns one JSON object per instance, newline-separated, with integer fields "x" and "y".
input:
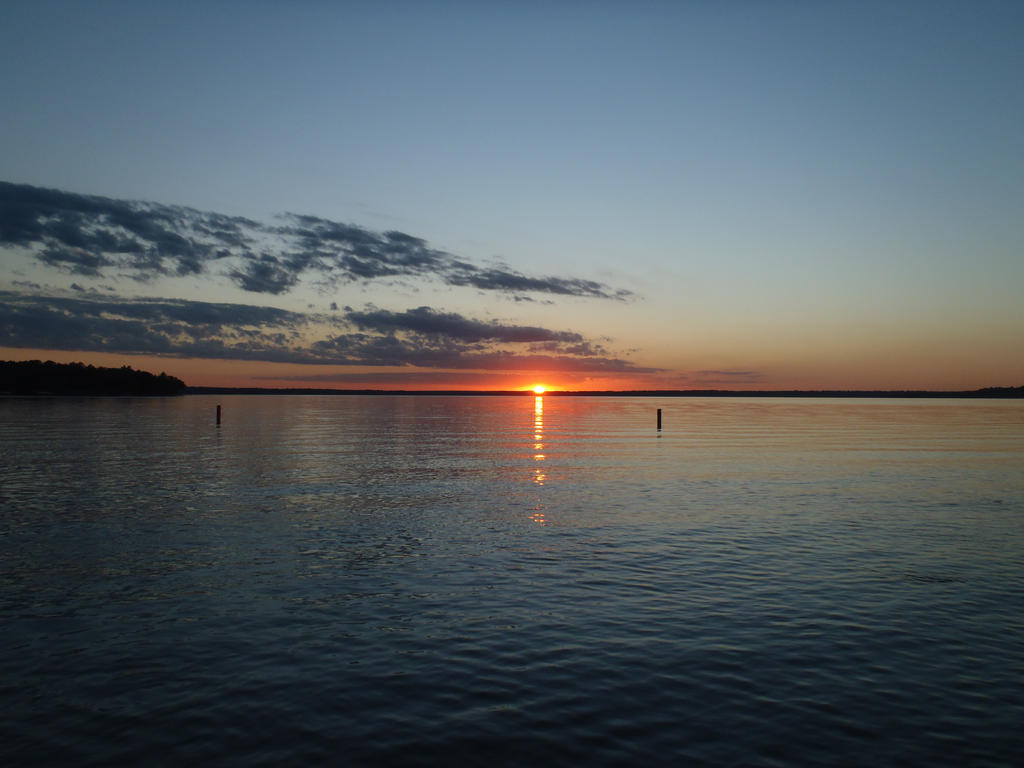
{"x": 659, "y": 419}
{"x": 218, "y": 418}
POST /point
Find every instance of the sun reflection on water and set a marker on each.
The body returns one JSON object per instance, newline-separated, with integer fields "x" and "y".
{"x": 538, "y": 428}
{"x": 539, "y": 476}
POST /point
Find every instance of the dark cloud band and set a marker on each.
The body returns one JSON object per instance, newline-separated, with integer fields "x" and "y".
{"x": 422, "y": 337}
{"x": 429, "y": 322}
{"x": 95, "y": 236}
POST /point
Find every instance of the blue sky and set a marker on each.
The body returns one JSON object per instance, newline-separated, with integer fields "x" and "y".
{"x": 786, "y": 194}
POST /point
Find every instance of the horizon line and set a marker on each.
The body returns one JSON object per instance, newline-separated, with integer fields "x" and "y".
{"x": 984, "y": 392}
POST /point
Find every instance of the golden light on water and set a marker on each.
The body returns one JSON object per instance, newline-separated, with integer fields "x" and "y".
{"x": 538, "y": 427}
{"x": 539, "y": 475}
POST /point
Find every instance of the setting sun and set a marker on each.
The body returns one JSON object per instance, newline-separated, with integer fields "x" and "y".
{"x": 539, "y": 389}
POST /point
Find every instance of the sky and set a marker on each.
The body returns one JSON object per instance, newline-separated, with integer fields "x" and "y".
{"x": 475, "y": 195}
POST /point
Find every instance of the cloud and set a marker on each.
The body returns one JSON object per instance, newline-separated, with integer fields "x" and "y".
{"x": 364, "y": 349}
{"x": 421, "y": 337}
{"x": 75, "y": 260}
{"x": 87, "y": 235}
{"x": 738, "y": 374}
{"x": 434, "y": 379}
{"x": 502, "y": 280}
{"x": 92, "y": 236}
{"x": 170, "y": 327}
{"x": 429, "y": 322}
{"x": 266, "y": 274}
{"x": 727, "y": 377}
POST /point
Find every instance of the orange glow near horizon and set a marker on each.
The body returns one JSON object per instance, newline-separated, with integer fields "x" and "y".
{"x": 923, "y": 370}
{"x": 539, "y": 389}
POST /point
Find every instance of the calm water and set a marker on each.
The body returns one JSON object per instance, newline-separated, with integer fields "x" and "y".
{"x": 509, "y": 581}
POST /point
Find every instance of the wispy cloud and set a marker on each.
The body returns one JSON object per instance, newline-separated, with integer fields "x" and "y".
{"x": 91, "y": 236}
{"x": 733, "y": 373}
{"x": 412, "y": 379}
{"x": 421, "y": 337}
{"x": 727, "y": 377}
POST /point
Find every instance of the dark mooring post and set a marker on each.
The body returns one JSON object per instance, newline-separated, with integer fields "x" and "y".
{"x": 659, "y": 420}
{"x": 218, "y": 417}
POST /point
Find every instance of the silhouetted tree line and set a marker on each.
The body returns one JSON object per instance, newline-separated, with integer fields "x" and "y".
{"x": 34, "y": 377}
{"x": 1001, "y": 392}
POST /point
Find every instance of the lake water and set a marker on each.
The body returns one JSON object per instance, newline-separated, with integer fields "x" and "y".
{"x": 511, "y": 581}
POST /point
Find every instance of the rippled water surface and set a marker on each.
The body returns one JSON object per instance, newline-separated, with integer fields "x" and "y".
{"x": 511, "y": 581}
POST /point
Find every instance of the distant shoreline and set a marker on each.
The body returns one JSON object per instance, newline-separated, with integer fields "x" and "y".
{"x": 986, "y": 393}
{"x": 50, "y": 379}
{"x": 36, "y": 378}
